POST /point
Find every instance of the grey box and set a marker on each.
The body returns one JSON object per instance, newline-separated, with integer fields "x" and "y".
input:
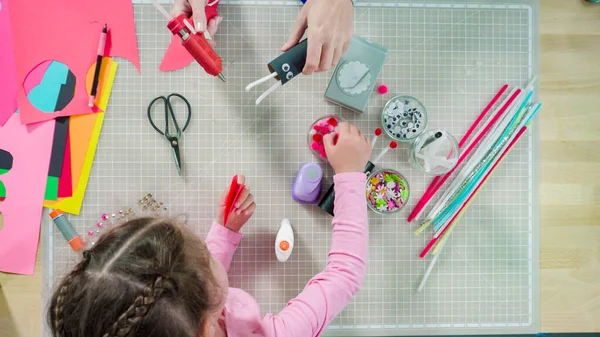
{"x": 354, "y": 77}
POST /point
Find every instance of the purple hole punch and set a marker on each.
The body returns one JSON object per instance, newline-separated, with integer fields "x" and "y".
{"x": 307, "y": 185}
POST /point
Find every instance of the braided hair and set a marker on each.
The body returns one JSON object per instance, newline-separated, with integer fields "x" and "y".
{"x": 148, "y": 277}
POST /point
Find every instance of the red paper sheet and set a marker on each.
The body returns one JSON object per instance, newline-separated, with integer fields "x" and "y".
{"x": 8, "y": 84}
{"x": 69, "y": 34}
{"x": 176, "y": 57}
{"x": 65, "y": 181}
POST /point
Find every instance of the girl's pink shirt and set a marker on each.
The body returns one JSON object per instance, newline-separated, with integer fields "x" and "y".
{"x": 327, "y": 293}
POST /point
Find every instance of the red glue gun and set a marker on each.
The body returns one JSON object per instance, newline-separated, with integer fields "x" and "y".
{"x": 197, "y": 45}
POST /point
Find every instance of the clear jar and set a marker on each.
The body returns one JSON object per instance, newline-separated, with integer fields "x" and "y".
{"x": 404, "y": 118}
{"x": 316, "y": 130}
{"x": 443, "y": 158}
{"x": 387, "y": 185}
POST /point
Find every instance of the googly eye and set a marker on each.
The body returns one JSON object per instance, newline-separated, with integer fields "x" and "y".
{"x": 289, "y": 76}
{"x": 285, "y": 67}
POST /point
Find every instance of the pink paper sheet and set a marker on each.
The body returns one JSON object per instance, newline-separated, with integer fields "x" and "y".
{"x": 176, "y": 56}
{"x": 65, "y": 181}
{"x": 8, "y": 84}
{"x": 70, "y": 34}
{"x": 30, "y": 146}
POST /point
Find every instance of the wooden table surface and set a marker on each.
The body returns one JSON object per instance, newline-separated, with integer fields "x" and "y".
{"x": 570, "y": 182}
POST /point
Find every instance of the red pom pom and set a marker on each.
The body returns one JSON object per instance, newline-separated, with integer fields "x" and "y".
{"x": 333, "y": 121}
{"x": 317, "y": 137}
{"x": 378, "y": 132}
{"x": 393, "y": 145}
{"x": 383, "y": 89}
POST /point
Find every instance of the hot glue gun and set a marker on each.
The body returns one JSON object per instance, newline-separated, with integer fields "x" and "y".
{"x": 195, "y": 44}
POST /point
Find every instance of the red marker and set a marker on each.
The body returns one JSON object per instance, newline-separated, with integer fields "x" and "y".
{"x": 235, "y": 189}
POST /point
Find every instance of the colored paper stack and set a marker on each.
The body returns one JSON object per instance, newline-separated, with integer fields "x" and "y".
{"x": 48, "y": 133}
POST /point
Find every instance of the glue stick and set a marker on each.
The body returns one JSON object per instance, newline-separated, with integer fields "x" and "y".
{"x": 67, "y": 230}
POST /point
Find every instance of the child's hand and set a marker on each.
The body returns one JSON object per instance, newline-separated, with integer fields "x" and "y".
{"x": 195, "y": 9}
{"x": 351, "y": 151}
{"x": 241, "y": 211}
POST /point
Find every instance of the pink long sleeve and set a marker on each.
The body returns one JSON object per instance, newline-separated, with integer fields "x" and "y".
{"x": 222, "y": 243}
{"x": 328, "y": 293}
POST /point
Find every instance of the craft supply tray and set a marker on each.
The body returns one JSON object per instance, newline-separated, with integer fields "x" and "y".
{"x": 452, "y": 57}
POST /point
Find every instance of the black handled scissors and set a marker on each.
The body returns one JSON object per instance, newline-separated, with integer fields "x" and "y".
{"x": 173, "y": 139}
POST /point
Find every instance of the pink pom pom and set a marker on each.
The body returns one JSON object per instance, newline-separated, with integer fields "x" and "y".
{"x": 315, "y": 146}
{"x": 383, "y": 89}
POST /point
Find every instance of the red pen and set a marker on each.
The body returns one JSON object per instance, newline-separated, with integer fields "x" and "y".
{"x": 195, "y": 44}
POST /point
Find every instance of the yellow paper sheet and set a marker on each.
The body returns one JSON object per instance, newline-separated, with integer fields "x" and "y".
{"x": 80, "y": 130}
{"x": 73, "y": 204}
{"x": 105, "y": 70}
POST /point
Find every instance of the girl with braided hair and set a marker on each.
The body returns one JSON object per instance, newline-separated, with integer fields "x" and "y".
{"x": 155, "y": 278}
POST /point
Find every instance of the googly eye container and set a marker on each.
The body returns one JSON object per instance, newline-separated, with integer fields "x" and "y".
{"x": 387, "y": 191}
{"x": 404, "y": 118}
{"x": 321, "y": 127}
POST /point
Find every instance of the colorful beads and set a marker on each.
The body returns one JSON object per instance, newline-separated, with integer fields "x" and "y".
{"x": 100, "y": 224}
{"x": 90, "y": 232}
{"x": 104, "y": 217}
{"x": 387, "y": 191}
{"x": 321, "y": 127}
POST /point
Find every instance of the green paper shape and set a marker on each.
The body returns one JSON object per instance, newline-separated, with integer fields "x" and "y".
{"x": 51, "y": 188}
{"x": 2, "y": 188}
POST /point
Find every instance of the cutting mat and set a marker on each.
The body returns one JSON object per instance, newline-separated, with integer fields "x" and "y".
{"x": 453, "y": 57}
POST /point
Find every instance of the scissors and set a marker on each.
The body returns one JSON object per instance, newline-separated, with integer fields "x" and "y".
{"x": 173, "y": 139}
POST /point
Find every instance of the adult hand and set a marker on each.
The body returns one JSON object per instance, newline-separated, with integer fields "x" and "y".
{"x": 328, "y": 24}
{"x": 241, "y": 211}
{"x": 351, "y": 151}
{"x": 195, "y": 10}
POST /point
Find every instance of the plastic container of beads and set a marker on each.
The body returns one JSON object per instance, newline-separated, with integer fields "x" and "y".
{"x": 321, "y": 127}
{"x": 404, "y": 118}
{"x": 434, "y": 152}
{"x": 387, "y": 191}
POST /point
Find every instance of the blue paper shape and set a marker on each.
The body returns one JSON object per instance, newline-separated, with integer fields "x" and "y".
{"x": 45, "y": 95}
